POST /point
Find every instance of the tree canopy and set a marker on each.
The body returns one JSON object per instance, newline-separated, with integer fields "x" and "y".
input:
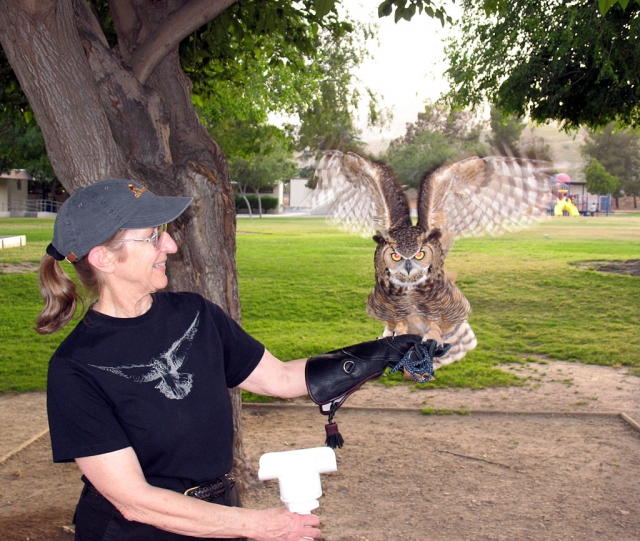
{"x": 618, "y": 151}
{"x": 549, "y": 60}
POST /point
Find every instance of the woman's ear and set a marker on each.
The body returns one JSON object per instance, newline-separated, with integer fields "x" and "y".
{"x": 102, "y": 259}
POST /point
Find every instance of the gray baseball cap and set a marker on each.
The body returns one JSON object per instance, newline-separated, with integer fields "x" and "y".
{"x": 92, "y": 215}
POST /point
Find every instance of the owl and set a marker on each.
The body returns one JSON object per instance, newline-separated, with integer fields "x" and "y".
{"x": 413, "y": 293}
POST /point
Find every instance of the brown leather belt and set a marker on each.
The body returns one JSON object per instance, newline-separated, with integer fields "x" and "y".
{"x": 207, "y": 492}
{"x": 213, "y": 490}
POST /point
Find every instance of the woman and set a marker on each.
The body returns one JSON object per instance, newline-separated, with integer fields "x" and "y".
{"x": 137, "y": 393}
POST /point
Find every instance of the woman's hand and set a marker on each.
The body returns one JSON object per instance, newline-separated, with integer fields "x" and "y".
{"x": 283, "y": 525}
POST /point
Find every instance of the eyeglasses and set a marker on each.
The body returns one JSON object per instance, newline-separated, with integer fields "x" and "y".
{"x": 154, "y": 239}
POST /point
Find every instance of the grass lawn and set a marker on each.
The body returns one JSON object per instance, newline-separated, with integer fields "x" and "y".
{"x": 304, "y": 286}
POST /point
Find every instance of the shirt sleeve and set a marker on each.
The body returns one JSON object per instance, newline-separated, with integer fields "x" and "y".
{"x": 242, "y": 352}
{"x": 82, "y": 421}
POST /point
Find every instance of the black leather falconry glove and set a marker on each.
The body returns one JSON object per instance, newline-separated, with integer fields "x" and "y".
{"x": 332, "y": 377}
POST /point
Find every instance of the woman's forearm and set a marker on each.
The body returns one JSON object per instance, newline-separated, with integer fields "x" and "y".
{"x": 118, "y": 477}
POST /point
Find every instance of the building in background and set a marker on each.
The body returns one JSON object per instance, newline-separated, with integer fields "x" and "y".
{"x": 14, "y": 191}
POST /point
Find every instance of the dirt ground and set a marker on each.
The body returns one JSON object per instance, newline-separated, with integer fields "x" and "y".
{"x": 551, "y": 460}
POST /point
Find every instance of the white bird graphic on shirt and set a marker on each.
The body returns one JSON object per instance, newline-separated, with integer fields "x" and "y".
{"x": 165, "y": 367}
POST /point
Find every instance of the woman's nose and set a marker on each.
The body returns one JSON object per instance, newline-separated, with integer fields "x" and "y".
{"x": 167, "y": 244}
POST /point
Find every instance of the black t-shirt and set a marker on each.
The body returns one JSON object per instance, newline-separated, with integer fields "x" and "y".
{"x": 158, "y": 383}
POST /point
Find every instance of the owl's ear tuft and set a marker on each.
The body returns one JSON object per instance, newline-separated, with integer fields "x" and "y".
{"x": 434, "y": 235}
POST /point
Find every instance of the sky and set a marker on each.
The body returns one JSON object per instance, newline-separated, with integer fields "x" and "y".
{"x": 406, "y": 67}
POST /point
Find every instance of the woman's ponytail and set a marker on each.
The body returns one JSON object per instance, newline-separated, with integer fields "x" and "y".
{"x": 60, "y": 297}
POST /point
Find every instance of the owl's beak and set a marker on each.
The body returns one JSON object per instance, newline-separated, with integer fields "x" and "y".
{"x": 408, "y": 265}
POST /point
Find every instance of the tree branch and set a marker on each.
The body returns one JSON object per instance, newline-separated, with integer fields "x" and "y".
{"x": 173, "y": 30}
{"x": 125, "y": 22}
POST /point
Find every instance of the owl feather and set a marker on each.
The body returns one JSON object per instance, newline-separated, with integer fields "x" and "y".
{"x": 413, "y": 293}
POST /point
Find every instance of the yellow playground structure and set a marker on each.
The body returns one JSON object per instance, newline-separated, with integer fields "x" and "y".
{"x": 565, "y": 204}
{"x": 568, "y": 202}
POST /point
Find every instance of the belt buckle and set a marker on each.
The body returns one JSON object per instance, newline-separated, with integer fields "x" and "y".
{"x": 191, "y": 490}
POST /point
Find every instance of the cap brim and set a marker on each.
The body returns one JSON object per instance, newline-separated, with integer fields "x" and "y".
{"x": 159, "y": 210}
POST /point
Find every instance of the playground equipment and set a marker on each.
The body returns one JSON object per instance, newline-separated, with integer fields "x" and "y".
{"x": 575, "y": 204}
{"x": 565, "y": 204}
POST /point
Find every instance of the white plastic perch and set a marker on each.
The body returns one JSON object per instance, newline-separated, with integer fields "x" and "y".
{"x": 298, "y": 473}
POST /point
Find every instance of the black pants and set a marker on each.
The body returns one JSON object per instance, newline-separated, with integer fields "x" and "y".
{"x": 96, "y": 519}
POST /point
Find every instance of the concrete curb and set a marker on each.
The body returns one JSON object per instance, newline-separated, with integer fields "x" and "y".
{"x": 257, "y": 406}
{"x": 624, "y": 416}
{"x": 23, "y": 445}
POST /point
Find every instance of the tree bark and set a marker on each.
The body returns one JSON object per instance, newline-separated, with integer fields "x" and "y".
{"x": 42, "y": 45}
{"x": 101, "y": 121}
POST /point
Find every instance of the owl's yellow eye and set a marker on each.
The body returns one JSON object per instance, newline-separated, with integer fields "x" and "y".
{"x": 396, "y": 257}
{"x": 419, "y": 256}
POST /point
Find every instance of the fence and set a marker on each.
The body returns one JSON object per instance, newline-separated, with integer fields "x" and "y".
{"x": 30, "y": 206}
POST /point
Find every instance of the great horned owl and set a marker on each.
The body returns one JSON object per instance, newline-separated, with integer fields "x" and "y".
{"x": 413, "y": 293}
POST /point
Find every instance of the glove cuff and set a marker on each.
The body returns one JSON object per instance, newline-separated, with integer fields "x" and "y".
{"x": 332, "y": 377}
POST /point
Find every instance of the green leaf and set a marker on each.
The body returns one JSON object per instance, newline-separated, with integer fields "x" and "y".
{"x": 496, "y": 7}
{"x": 409, "y": 12}
{"x": 323, "y": 7}
{"x": 385, "y": 9}
{"x": 197, "y": 100}
{"x": 606, "y": 5}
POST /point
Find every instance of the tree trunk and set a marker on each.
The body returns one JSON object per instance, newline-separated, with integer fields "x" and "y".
{"x": 243, "y": 192}
{"x": 99, "y": 121}
{"x": 257, "y": 192}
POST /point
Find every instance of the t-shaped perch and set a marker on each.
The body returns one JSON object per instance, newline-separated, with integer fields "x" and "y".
{"x": 298, "y": 473}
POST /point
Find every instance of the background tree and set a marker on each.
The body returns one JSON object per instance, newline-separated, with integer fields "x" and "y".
{"x": 258, "y": 155}
{"x": 550, "y": 60}
{"x": 410, "y": 158}
{"x": 461, "y": 128}
{"x": 505, "y": 132}
{"x": 507, "y": 138}
{"x": 619, "y": 153}
{"x": 438, "y": 136}
{"x": 327, "y": 122}
{"x": 599, "y": 181}
{"x": 534, "y": 147}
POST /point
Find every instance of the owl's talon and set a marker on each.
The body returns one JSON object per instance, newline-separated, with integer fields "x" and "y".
{"x": 419, "y": 378}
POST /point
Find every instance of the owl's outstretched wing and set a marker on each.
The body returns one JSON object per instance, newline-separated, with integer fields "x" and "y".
{"x": 484, "y": 195}
{"x": 361, "y": 196}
